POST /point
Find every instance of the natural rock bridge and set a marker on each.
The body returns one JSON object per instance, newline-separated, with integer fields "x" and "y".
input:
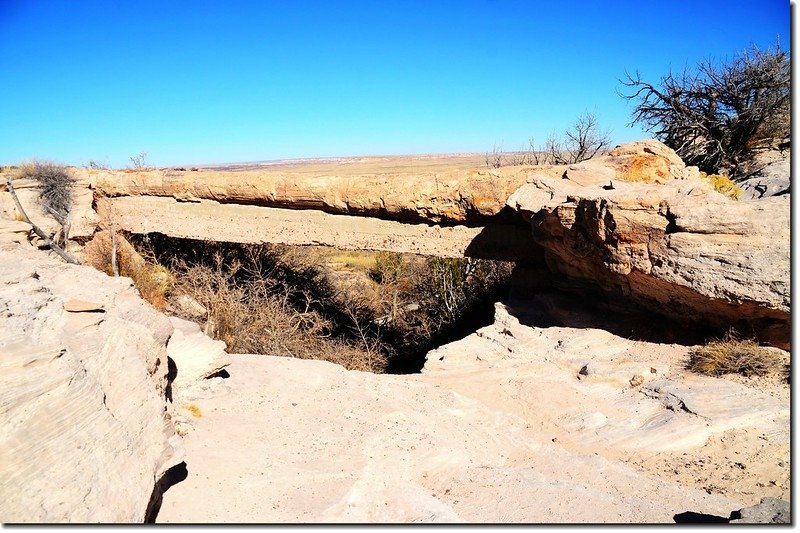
{"x": 636, "y": 226}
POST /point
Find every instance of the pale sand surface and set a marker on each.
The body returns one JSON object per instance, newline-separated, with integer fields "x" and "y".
{"x": 286, "y": 440}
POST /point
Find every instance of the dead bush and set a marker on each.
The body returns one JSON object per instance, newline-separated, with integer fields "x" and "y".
{"x": 55, "y": 183}
{"x": 153, "y": 280}
{"x": 271, "y": 300}
{"x": 428, "y": 301}
{"x": 731, "y": 355}
{"x": 715, "y": 114}
{"x": 582, "y": 141}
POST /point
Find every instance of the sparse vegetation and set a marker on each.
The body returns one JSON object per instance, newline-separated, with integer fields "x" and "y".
{"x": 731, "y": 355}
{"x": 713, "y": 116}
{"x": 426, "y": 299}
{"x": 96, "y": 165}
{"x": 582, "y": 141}
{"x": 723, "y": 185}
{"x": 280, "y": 300}
{"x": 153, "y": 280}
{"x": 55, "y": 197}
{"x": 55, "y": 182}
{"x": 273, "y": 300}
{"x": 139, "y": 162}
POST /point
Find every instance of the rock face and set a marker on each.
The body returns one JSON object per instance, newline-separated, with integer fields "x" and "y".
{"x": 769, "y": 511}
{"x": 407, "y": 193}
{"x": 196, "y": 356}
{"x": 639, "y": 226}
{"x": 288, "y": 440}
{"x": 84, "y": 432}
{"x": 768, "y": 174}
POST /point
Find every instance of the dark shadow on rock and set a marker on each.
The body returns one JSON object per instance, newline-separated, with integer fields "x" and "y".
{"x": 224, "y": 374}
{"x": 171, "y": 477}
{"x": 172, "y": 373}
{"x": 690, "y": 517}
{"x": 506, "y": 242}
{"x": 554, "y": 308}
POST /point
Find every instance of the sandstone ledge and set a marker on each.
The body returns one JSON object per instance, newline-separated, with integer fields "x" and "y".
{"x": 84, "y": 432}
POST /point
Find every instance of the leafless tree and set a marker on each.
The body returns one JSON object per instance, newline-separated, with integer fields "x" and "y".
{"x": 495, "y": 158}
{"x": 582, "y": 141}
{"x": 585, "y": 139}
{"x": 139, "y": 161}
{"x": 714, "y": 116}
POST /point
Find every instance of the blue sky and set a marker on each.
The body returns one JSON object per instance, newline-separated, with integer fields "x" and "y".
{"x": 202, "y": 82}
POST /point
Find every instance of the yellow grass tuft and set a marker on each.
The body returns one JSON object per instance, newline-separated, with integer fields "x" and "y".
{"x": 194, "y": 409}
{"x": 154, "y": 281}
{"x": 731, "y": 355}
{"x": 723, "y": 185}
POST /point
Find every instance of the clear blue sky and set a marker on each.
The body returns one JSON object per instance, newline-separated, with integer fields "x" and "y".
{"x": 201, "y": 82}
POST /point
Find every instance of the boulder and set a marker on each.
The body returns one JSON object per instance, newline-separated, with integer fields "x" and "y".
{"x": 768, "y": 174}
{"x": 196, "y": 356}
{"x": 769, "y": 511}
{"x": 661, "y": 238}
{"x": 84, "y": 431}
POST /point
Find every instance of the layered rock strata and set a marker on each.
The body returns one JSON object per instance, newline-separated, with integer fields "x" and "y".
{"x": 639, "y": 226}
{"x": 84, "y": 431}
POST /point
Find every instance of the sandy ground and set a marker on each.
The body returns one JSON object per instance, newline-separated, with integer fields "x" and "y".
{"x": 285, "y": 440}
{"x": 514, "y": 423}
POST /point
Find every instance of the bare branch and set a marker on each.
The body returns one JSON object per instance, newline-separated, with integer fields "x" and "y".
{"x": 42, "y": 235}
{"x": 713, "y": 116}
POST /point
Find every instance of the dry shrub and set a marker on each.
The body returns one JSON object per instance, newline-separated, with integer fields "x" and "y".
{"x": 263, "y": 299}
{"x": 425, "y": 301}
{"x": 153, "y": 280}
{"x": 56, "y": 184}
{"x": 723, "y": 185}
{"x": 731, "y": 355}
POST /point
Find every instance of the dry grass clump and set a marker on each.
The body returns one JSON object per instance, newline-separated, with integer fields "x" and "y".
{"x": 426, "y": 301}
{"x": 270, "y": 300}
{"x": 194, "y": 409}
{"x": 56, "y": 184}
{"x": 731, "y": 355}
{"x": 153, "y": 280}
{"x": 723, "y": 185}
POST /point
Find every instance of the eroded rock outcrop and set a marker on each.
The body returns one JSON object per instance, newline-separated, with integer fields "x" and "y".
{"x": 639, "y": 226}
{"x": 592, "y": 391}
{"x": 84, "y": 431}
{"x": 289, "y": 440}
{"x": 636, "y": 226}
{"x": 405, "y": 194}
{"x": 196, "y": 357}
{"x": 767, "y": 174}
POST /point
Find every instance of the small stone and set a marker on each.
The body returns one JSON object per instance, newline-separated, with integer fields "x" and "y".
{"x": 74, "y": 305}
{"x": 637, "y": 380}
